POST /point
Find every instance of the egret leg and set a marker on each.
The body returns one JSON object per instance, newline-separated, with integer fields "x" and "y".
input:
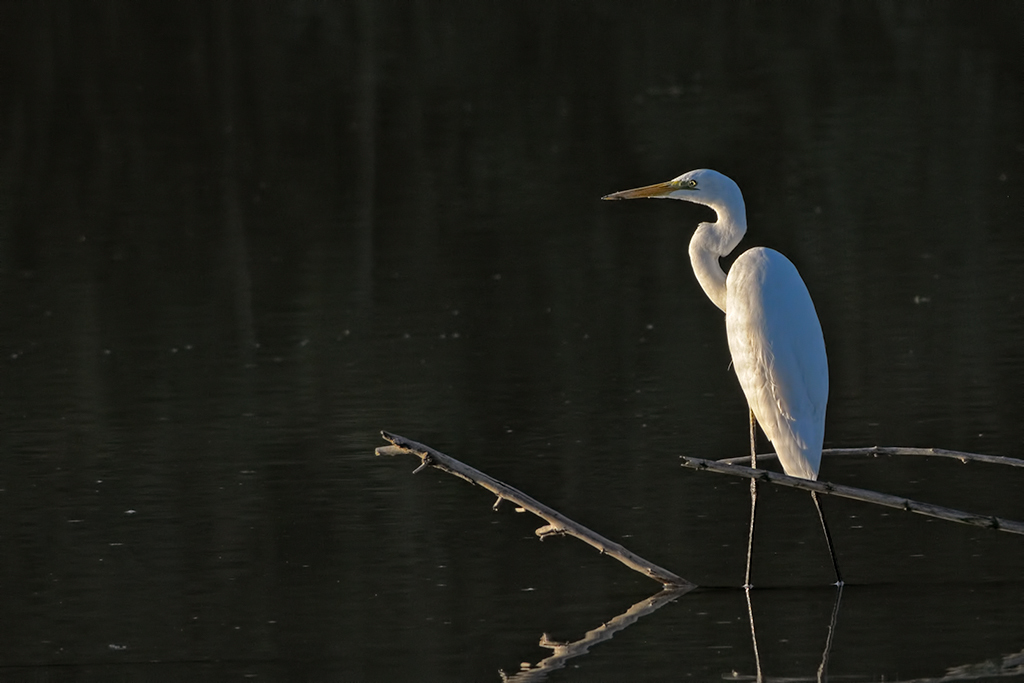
{"x": 753, "y": 497}
{"x": 828, "y": 538}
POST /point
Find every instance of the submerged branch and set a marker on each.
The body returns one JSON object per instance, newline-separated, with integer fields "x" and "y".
{"x": 557, "y": 523}
{"x": 948, "y": 514}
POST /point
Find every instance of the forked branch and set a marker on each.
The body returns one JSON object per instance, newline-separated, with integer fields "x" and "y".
{"x": 557, "y": 523}
{"x": 948, "y": 514}
{"x": 875, "y": 451}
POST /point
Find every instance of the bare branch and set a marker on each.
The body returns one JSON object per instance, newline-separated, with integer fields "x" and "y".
{"x": 948, "y": 514}
{"x": 875, "y": 451}
{"x": 557, "y": 523}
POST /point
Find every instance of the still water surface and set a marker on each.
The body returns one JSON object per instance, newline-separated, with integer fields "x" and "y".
{"x": 236, "y": 243}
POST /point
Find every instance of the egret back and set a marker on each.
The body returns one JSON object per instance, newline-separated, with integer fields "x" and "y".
{"x": 778, "y": 353}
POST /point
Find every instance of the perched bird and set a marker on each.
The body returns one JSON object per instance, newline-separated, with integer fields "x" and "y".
{"x": 774, "y": 335}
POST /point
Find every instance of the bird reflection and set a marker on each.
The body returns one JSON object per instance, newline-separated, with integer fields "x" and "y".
{"x": 822, "y": 673}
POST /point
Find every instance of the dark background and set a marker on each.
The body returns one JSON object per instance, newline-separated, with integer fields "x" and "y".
{"x": 237, "y": 240}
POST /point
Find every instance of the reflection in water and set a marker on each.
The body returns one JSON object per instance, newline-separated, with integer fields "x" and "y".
{"x": 235, "y": 234}
{"x": 823, "y": 667}
{"x": 1011, "y": 665}
{"x": 1007, "y": 666}
{"x": 563, "y": 652}
{"x": 206, "y": 326}
{"x": 822, "y": 673}
{"x": 746, "y": 590}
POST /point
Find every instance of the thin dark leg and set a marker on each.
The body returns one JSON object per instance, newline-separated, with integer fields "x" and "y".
{"x": 753, "y": 497}
{"x": 753, "y": 440}
{"x": 828, "y": 538}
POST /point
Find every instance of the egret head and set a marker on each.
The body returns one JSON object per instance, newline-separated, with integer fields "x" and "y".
{"x": 702, "y": 186}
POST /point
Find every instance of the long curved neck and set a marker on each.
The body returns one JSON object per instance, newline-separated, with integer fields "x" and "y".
{"x": 711, "y": 242}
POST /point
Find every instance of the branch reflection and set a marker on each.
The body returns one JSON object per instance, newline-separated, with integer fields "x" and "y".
{"x": 563, "y": 652}
{"x": 1007, "y": 666}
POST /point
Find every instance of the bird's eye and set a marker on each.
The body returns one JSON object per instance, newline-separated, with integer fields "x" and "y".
{"x": 691, "y": 183}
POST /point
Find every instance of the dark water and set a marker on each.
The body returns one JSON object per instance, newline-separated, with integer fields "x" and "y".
{"x": 237, "y": 240}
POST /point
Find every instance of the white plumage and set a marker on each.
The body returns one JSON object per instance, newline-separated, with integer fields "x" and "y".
{"x": 775, "y": 338}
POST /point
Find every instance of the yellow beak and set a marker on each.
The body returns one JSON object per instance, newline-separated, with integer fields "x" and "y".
{"x": 646, "y": 192}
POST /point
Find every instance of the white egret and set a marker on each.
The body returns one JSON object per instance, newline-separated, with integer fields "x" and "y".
{"x": 775, "y": 338}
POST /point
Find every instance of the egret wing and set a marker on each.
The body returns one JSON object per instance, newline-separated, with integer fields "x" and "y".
{"x": 779, "y": 356}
